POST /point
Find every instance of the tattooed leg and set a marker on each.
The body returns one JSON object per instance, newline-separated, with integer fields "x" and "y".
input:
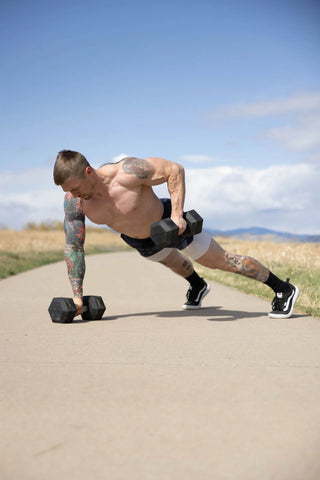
{"x": 178, "y": 263}
{"x": 216, "y": 257}
{"x": 247, "y": 266}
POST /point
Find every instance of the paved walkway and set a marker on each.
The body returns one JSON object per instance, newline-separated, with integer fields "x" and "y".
{"x": 151, "y": 392}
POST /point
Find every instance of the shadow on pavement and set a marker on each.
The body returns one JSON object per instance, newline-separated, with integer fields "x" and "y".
{"x": 212, "y": 314}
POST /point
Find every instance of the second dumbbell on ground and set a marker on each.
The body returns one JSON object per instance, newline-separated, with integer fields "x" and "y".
{"x": 63, "y": 310}
{"x": 165, "y": 231}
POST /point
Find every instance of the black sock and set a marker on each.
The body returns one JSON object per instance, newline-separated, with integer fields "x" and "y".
{"x": 195, "y": 280}
{"x": 276, "y": 284}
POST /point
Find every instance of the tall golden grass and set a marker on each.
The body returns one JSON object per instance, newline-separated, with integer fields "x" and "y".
{"x": 299, "y": 261}
{"x": 51, "y": 240}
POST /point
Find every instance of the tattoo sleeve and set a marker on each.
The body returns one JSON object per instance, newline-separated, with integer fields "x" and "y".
{"x": 136, "y": 166}
{"x": 74, "y": 227}
{"x": 247, "y": 266}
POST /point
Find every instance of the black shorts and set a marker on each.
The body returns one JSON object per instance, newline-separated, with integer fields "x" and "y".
{"x": 146, "y": 246}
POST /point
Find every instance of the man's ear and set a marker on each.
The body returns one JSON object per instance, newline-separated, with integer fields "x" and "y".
{"x": 88, "y": 170}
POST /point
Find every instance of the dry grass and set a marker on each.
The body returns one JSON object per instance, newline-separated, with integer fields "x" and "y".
{"x": 23, "y": 241}
{"x": 300, "y": 261}
{"x": 26, "y": 249}
{"x": 299, "y": 255}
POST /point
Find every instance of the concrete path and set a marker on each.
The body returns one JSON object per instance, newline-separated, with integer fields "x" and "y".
{"x": 151, "y": 392}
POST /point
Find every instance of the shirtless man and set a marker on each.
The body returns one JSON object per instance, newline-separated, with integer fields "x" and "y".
{"x": 120, "y": 195}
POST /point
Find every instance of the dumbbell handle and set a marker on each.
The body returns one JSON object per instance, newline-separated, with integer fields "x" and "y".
{"x": 84, "y": 308}
{"x": 189, "y": 216}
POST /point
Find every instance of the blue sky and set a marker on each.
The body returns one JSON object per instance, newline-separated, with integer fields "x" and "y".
{"x": 230, "y": 89}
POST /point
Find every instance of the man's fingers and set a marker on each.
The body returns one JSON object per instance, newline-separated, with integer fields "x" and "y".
{"x": 181, "y": 223}
{"x": 79, "y": 304}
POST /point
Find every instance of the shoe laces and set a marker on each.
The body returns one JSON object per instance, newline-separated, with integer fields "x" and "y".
{"x": 189, "y": 293}
{"x": 279, "y": 301}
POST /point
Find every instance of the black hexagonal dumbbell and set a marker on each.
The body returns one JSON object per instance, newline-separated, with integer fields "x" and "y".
{"x": 165, "y": 231}
{"x": 63, "y": 310}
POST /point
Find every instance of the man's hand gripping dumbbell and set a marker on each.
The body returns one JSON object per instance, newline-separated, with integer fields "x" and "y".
{"x": 63, "y": 310}
{"x": 165, "y": 232}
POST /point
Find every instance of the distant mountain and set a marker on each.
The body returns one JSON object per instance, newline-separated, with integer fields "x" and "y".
{"x": 264, "y": 234}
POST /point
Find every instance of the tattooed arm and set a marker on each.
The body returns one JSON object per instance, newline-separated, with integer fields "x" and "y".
{"x": 154, "y": 171}
{"x": 74, "y": 227}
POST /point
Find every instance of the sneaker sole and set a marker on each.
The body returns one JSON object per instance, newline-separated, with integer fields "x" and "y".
{"x": 197, "y": 307}
{"x": 287, "y": 315}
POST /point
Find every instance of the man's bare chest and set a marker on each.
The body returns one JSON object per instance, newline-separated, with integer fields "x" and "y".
{"x": 114, "y": 207}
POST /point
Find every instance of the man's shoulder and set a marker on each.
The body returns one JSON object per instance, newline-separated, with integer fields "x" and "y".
{"x": 116, "y": 163}
{"x": 127, "y": 165}
{"x": 110, "y": 168}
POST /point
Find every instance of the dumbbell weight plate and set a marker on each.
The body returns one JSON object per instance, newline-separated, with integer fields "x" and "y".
{"x": 164, "y": 232}
{"x": 94, "y": 307}
{"x": 194, "y": 223}
{"x": 62, "y": 310}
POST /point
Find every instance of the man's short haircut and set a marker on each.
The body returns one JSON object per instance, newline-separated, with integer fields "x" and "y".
{"x": 69, "y": 164}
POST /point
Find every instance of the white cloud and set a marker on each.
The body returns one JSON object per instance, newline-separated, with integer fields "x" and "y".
{"x": 303, "y": 136}
{"x": 29, "y": 195}
{"x": 282, "y": 197}
{"x": 197, "y": 158}
{"x": 117, "y": 158}
{"x": 298, "y": 104}
{"x": 301, "y": 113}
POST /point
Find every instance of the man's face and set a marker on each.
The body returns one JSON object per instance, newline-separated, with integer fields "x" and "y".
{"x": 82, "y": 187}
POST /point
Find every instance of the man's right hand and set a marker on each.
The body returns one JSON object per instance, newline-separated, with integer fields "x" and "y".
{"x": 180, "y": 222}
{"x": 79, "y": 304}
